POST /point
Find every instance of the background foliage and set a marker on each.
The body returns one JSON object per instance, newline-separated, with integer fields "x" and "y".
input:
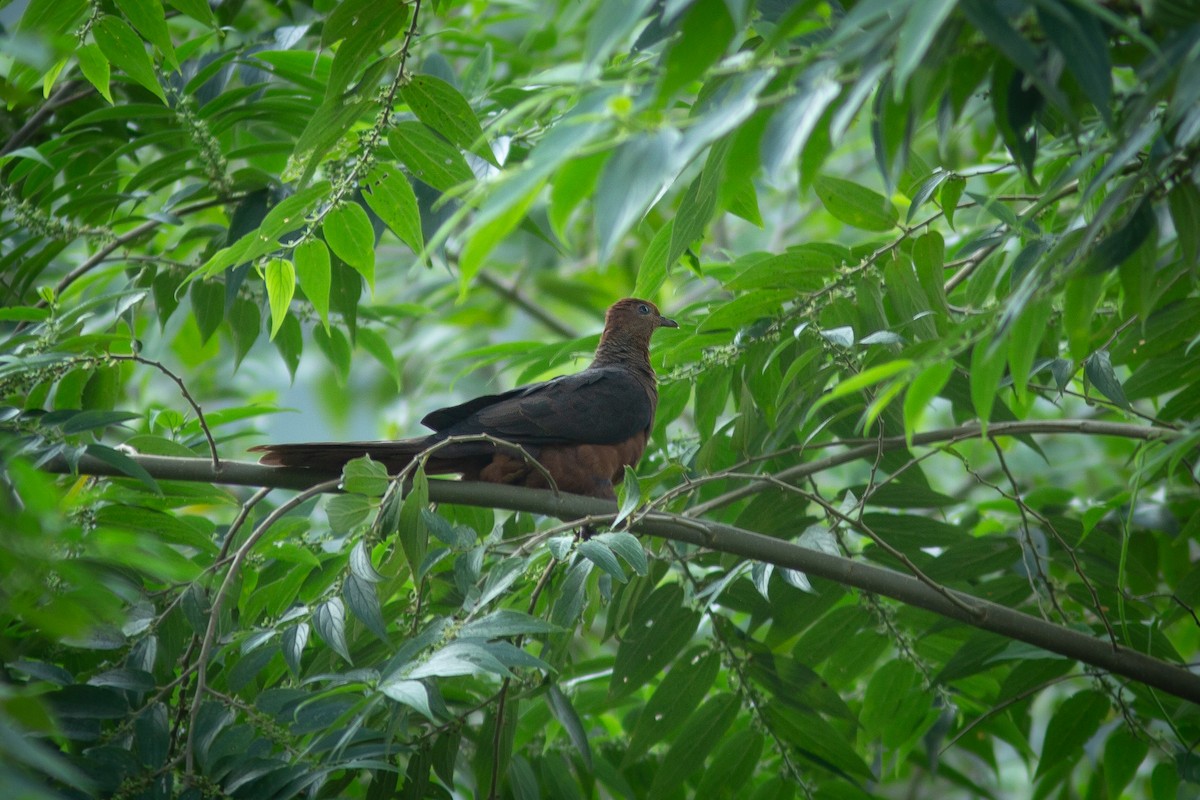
{"x": 876, "y": 222}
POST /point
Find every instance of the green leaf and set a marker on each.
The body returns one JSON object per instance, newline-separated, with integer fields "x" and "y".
{"x": 677, "y": 696}
{"x": 94, "y": 419}
{"x": 361, "y": 565}
{"x": 705, "y": 34}
{"x": 290, "y": 344}
{"x": 312, "y": 269}
{"x": 652, "y": 274}
{"x": 1073, "y": 724}
{"x": 94, "y": 67}
{"x": 924, "y": 387}
{"x": 952, "y": 192}
{"x": 280, "y": 278}
{"x": 1124, "y": 752}
{"x": 414, "y": 535}
{"x": 377, "y": 346}
{"x": 987, "y": 368}
{"x": 1184, "y": 203}
{"x": 612, "y": 22}
{"x": 1024, "y": 339}
{"x": 695, "y": 210}
{"x": 364, "y": 476}
{"x": 697, "y": 739}
{"x": 1099, "y": 370}
{"x": 362, "y": 27}
{"x": 148, "y": 18}
{"x": 325, "y": 128}
{"x": 818, "y": 741}
{"x": 921, "y": 24}
{"x": 429, "y": 157}
{"x": 391, "y": 197}
{"x": 793, "y": 122}
{"x": 804, "y": 269}
{"x": 348, "y": 231}
{"x": 330, "y": 621}
{"x": 747, "y": 309}
{"x": 632, "y": 498}
{"x": 602, "y": 556}
{"x": 196, "y": 9}
{"x": 506, "y": 622}
{"x": 441, "y": 107}
{"x": 293, "y": 642}
{"x": 1078, "y": 35}
{"x": 460, "y": 658}
{"x": 564, "y": 712}
{"x": 364, "y": 603}
{"x": 117, "y": 459}
{"x": 628, "y": 547}
{"x": 125, "y": 48}
{"x": 856, "y": 205}
{"x": 633, "y": 177}
{"x": 895, "y": 708}
{"x": 733, "y": 765}
{"x": 662, "y": 625}
{"x": 571, "y": 596}
{"x": 1126, "y": 240}
{"x": 491, "y": 230}
{"x": 413, "y": 694}
{"x": 347, "y": 511}
{"x": 1079, "y": 301}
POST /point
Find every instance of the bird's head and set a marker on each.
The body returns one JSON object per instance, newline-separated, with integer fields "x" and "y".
{"x": 639, "y": 317}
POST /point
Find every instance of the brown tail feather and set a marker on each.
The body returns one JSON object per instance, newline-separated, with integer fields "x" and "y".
{"x": 332, "y": 456}
{"x": 394, "y": 455}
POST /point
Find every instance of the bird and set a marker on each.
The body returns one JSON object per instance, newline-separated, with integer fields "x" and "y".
{"x": 582, "y": 429}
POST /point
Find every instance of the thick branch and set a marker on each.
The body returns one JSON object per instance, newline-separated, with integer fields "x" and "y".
{"x": 866, "y": 448}
{"x": 726, "y": 539}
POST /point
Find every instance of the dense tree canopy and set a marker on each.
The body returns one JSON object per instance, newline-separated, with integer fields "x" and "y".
{"x": 921, "y": 508}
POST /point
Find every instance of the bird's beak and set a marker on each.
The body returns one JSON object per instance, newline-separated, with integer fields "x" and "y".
{"x": 663, "y": 322}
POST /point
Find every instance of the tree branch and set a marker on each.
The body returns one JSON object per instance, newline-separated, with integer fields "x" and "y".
{"x": 971, "y": 430}
{"x": 1170, "y": 678}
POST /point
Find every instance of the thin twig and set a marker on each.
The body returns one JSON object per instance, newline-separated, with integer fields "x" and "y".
{"x": 502, "y": 697}
{"x": 210, "y": 633}
{"x": 512, "y": 293}
{"x": 994, "y": 710}
{"x": 59, "y": 99}
{"x": 212, "y": 444}
{"x": 126, "y": 238}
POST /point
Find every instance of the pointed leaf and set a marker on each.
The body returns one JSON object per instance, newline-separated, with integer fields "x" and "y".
{"x": 697, "y": 739}
{"x": 678, "y": 695}
{"x": 330, "y": 621}
{"x": 564, "y": 712}
{"x": 350, "y": 236}
{"x": 602, "y": 557}
{"x": 295, "y": 639}
{"x": 124, "y": 48}
{"x": 662, "y": 625}
{"x": 280, "y": 278}
{"x": 391, "y": 196}
{"x": 364, "y": 603}
{"x": 413, "y": 694}
{"x": 313, "y": 270}
{"x": 441, "y": 107}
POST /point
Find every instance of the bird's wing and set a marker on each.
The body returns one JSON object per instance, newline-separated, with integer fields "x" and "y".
{"x": 597, "y": 406}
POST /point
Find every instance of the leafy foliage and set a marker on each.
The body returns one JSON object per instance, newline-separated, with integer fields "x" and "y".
{"x": 936, "y": 268}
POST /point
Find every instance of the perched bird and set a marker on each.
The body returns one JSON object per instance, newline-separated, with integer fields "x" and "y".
{"x": 583, "y": 429}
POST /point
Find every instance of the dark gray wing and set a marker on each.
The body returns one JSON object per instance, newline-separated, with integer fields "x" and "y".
{"x": 597, "y": 406}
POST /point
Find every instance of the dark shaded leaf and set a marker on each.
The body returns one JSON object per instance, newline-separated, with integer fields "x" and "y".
{"x": 662, "y": 625}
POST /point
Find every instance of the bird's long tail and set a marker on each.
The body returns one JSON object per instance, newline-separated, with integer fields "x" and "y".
{"x": 332, "y": 456}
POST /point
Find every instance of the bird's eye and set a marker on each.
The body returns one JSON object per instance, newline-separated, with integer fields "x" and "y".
{"x": 643, "y": 309}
